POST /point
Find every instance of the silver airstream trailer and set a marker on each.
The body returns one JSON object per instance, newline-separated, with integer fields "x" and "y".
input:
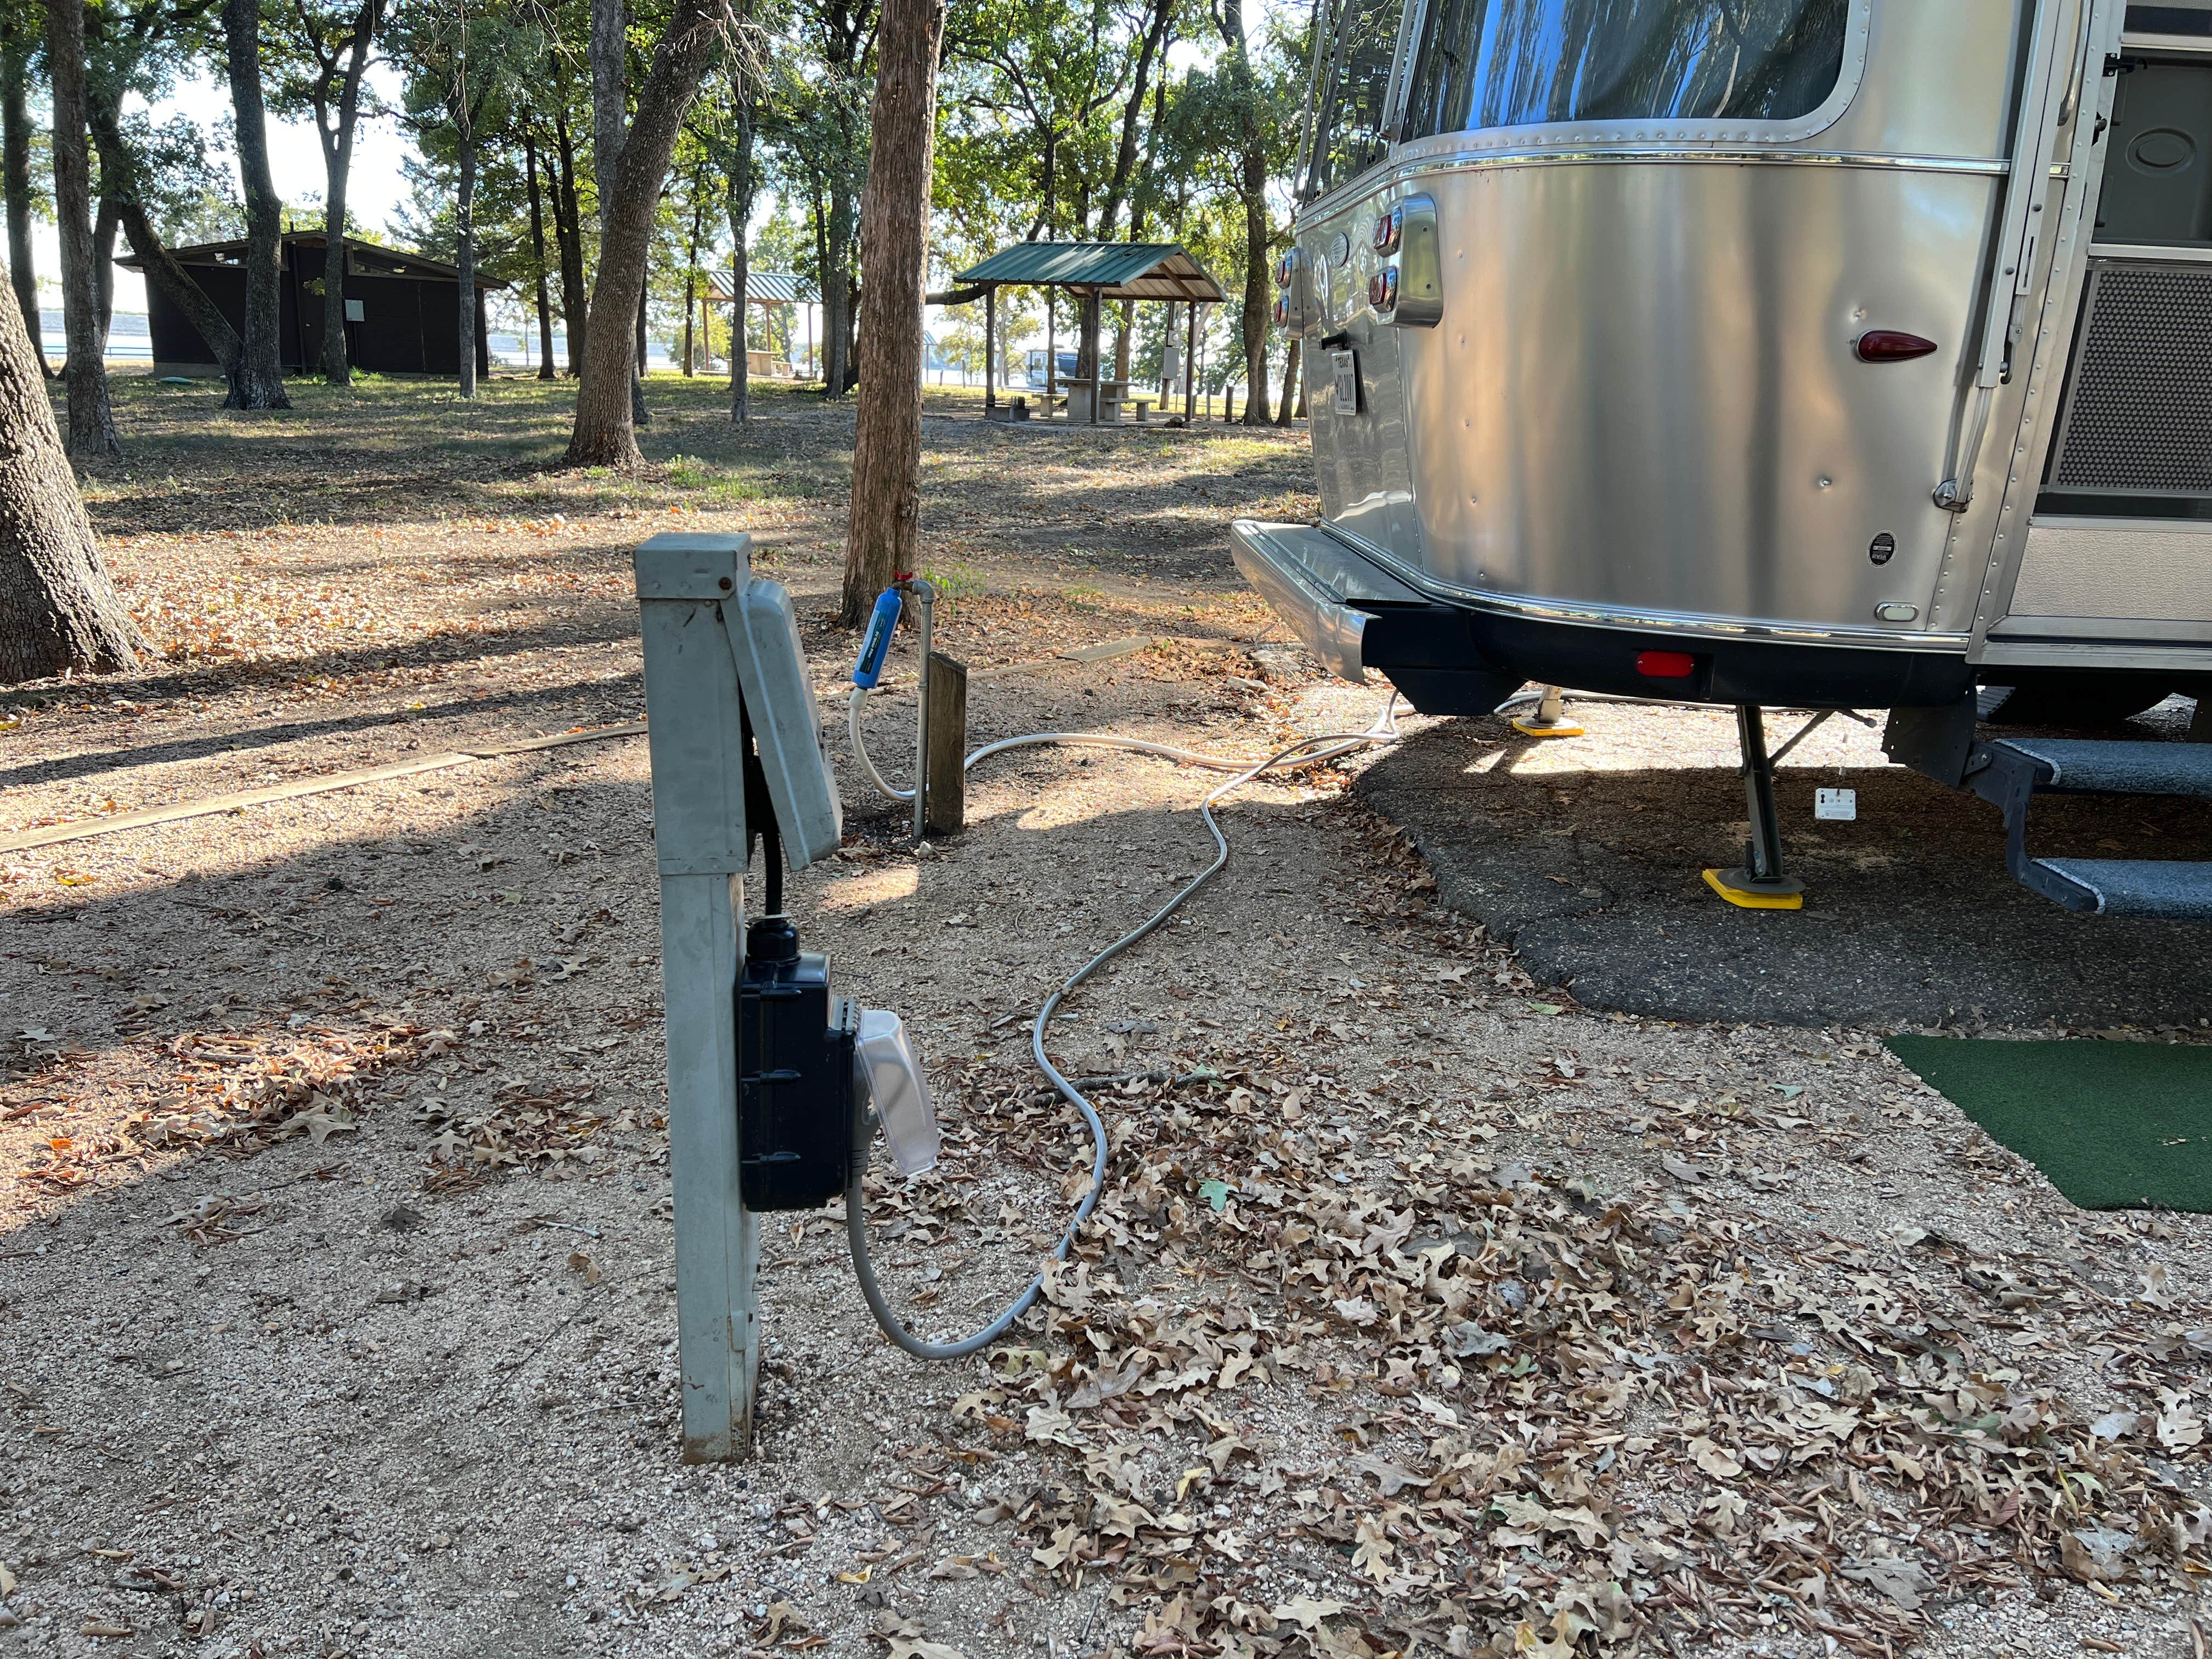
{"x": 1820, "y": 353}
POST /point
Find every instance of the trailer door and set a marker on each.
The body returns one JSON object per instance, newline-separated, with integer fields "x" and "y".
{"x": 2114, "y": 570}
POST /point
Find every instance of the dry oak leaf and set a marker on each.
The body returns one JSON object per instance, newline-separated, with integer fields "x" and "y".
{"x": 1373, "y": 1550}
{"x": 1306, "y": 1611}
{"x": 1050, "y": 1423}
{"x": 1902, "y": 1581}
{"x": 1394, "y": 1478}
{"x": 1055, "y": 1555}
{"x": 1714, "y": 1460}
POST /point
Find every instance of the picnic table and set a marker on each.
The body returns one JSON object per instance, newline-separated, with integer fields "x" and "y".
{"x": 1110, "y": 396}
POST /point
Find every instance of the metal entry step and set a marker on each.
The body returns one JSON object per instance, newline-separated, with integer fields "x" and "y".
{"x": 2010, "y": 772}
{"x": 2174, "y": 889}
{"x": 2084, "y": 765}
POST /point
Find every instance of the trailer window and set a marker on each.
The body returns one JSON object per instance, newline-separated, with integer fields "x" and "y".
{"x": 1533, "y": 62}
{"x": 2169, "y": 19}
{"x": 1354, "y": 91}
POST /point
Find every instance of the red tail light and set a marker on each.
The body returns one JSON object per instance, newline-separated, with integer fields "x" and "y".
{"x": 1666, "y": 665}
{"x": 1887, "y": 345}
{"x": 1383, "y": 289}
{"x": 1282, "y": 313}
{"x": 1387, "y": 230}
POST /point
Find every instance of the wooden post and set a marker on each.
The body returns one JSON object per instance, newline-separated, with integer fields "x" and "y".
{"x": 1051, "y": 353}
{"x": 990, "y": 346}
{"x": 944, "y": 795}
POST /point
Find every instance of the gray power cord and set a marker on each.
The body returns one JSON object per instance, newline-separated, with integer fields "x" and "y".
{"x": 1385, "y": 731}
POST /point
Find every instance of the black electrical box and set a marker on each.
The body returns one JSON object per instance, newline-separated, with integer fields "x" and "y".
{"x": 795, "y": 1090}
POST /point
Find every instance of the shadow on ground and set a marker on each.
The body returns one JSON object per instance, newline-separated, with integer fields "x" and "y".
{"x": 1910, "y": 917}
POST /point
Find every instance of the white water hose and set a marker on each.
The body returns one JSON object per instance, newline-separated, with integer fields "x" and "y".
{"x": 1308, "y": 752}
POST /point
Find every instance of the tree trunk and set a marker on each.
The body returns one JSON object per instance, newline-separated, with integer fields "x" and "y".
{"x": 91, "y": 423}
{"x": 837, "y": 295}
{"x": 58, "y": 610}
{"x": 162, "y": 269}
{"x": 605, "y": 433}
{"x": 609, "y": 52}
{"x": 820, "y": 219}
{"x": 103, "y": 265}
{"x": 741, "y": 187}
{"x": 691, "y": 268}
{"x": 855, "y": 297}
{"x": 569, "y": 231}
{"x": 464, "y": 252}
{"x": 1289, "y": 384}
{"x": 546, "y": 371}
{"x": 1253, "y": 187}
{"x": 883, "y": 528}
{"x": 338, "y": 172}
{"x": 260, "y": 382}
{"x": 16, "y": 179}
{"x": 1157, "y": 24}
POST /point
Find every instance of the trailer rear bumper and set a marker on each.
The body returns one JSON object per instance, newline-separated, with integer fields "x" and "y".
{"x": 1308, "y": 579}
{"x": 1452, "y": 658}
{"x": 1355, "y": 615}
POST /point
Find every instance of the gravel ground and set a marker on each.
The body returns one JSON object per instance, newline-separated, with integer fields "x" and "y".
{"x": 1424, "y": 1309}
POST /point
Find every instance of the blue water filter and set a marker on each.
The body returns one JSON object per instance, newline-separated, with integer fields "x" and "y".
{"x": 881, "y": 624}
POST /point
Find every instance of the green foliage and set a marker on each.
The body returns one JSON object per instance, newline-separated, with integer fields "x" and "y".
{"x": 1037, "y": 100}
{"x": 720, "y": 485}
{"x": 954, "y": 583}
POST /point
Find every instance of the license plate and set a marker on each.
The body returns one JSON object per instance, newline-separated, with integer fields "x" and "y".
{"x": 1346, "y": 364}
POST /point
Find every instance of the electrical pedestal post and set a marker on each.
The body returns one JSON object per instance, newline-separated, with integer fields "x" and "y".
{"x": 695, "y": 733}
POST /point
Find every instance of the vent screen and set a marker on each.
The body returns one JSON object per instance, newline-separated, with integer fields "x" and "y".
{"x": 2138, "y": 418}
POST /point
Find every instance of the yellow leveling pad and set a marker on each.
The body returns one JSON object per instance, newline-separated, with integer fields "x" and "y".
{"x": 1751, "y": 901}
{"x": 1528, "y": 729}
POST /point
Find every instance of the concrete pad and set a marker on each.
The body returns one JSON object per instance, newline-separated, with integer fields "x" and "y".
{"x": 1586, "y": 854}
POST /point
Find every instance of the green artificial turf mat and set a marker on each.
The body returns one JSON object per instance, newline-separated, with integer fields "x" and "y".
{"x": 2114, "y": 1125}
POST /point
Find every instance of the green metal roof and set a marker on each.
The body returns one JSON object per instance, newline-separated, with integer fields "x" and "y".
{"x": 1119, "y": 271}
{"x": 778, "y": 288}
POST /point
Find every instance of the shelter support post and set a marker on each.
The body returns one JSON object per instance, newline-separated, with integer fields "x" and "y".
{"x": 699, "y": 841}
{"x": 990, "y": 347}
{"x": 1051, "y": 350}
{"x": 1761, "y": 884}
{"x": 1190, "y": 364}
